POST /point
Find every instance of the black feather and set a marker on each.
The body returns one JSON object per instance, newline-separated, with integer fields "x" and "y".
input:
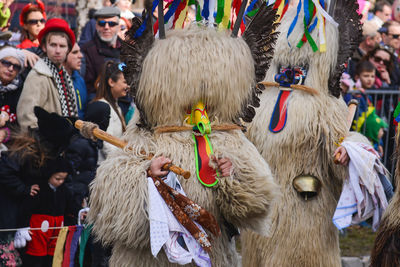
{"x": 133, "y": 52}
{"x": 350, "y": 34}
{"x": 260, "y": 36}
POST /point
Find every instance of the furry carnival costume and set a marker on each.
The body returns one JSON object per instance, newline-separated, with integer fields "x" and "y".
{"x": 296, "y": 133}
{"x": 386, "y": 250}
{"x": 168, "y": 77}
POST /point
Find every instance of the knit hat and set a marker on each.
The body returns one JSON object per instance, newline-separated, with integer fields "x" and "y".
{"x": 98, "y": 112}
{"x": 56, "y": 25}
{"x": 373, "y": 124}
{"x": 58, "y": 164}
{"x": 15, "y": 53}
{"x": 26, "y": 8}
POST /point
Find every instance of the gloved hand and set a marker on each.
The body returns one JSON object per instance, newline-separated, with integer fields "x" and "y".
{"x": 21, "y": 237}
{"x": 82, "y": 215}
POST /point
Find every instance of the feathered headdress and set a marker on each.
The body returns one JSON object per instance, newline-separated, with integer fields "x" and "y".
{"x": 256, "y": 24}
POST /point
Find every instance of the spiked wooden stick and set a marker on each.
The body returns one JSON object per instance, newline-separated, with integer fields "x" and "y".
{"x": 350, "y": 116}
{"x": 102, "y": 135}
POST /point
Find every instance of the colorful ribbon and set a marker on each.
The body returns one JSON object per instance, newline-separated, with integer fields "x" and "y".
{"x": 58, "y": 252}
{"x": 67, "y": 250}
{"x": 84, "y": 239}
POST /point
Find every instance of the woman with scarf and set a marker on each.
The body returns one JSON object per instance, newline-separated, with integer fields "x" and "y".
{"x": 48, "y": 84}
{"x": 11, "y": 64}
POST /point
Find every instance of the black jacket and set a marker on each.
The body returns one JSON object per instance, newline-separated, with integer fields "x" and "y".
{"x": 96, "y": 54}
{"x": 16, "y": 179}
{"x": 48, "y": 202}
{"x": 82, "y": 154}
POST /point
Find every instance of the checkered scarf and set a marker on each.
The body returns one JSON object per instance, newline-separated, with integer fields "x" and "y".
{"x": 65, "y": 89}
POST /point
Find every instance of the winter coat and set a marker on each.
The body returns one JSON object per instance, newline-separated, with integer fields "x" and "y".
{"x": 80, "y": 93}
{"x": 96, "y": 54}
{"x": 16, "y": 179}
{"x": 114, "y": 128}
{"x": 48, "y": 202}
{"x": 39, "y": 90}
{"x": 11, "y": 98}
{"x": 82, "y": 154}
{"x": 88, "y": 31}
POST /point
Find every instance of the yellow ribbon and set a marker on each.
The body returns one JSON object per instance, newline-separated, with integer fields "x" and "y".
{"x": 59, "y": 250}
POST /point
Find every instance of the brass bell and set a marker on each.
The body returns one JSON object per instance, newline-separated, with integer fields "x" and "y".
{"x": 307, "y": 186}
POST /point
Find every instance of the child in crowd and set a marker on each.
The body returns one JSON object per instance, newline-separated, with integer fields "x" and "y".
{"x": 82, "y": 154}
{"x": 374, "y": 130}
{"x": 44, "y": 211}
{"x": 365, "y": 78}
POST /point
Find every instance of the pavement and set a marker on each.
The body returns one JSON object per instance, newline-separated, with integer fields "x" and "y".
{"x": 346, "y": 261}
{"x": 355, "y": 261}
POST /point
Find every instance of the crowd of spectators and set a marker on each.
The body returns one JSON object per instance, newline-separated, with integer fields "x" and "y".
{"x": 83, "y": 78}
{"x": 45, "y": 178}
{"x": 375, "y": 66}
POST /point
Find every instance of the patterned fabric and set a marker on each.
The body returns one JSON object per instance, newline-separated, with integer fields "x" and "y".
{"x": 9, "y": 256}
{"x": 6, "y": 108}
{"x": 12, "y": 86}
{"x": 166, "y": 232}
{"x": 65, "y": 89}
{"x": 185, "y": 210}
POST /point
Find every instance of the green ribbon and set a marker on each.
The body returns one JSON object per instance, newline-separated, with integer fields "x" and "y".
{"x": 220, "y": 11}
{"x": 198, "y": 9}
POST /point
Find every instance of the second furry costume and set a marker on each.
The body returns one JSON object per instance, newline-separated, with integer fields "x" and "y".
{"x": 190, "y": 65}
{"x": 296, "y": 132}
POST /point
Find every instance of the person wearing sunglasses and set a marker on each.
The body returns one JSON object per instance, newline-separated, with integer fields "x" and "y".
{"x": 48, "y": 85}
{"x": 11, "y": 64}
{"x": 391, "y": 34}
{"x": 104, "y": 46}
{"x": 124, "y": 26}
{"x": 382, "y": 58}
{"x": 32, "y": 20}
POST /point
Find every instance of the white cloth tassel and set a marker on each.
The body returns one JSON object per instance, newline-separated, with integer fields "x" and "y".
{"x": 165, "y": 230}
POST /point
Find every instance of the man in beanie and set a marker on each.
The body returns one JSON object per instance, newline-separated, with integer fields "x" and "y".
{"x": 103, "y": 47}
{"x": 48, "y": 84}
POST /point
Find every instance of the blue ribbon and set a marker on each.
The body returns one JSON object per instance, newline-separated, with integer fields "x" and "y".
{"x": 206, "y": 12}
{"x": 308, "y": 17}
{"x": 249, "y": 8}
{"x": 294, "y": 22}
{"x": 171, "y": 10}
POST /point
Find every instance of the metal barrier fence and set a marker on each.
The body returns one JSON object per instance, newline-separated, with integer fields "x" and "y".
{"x": 384, "y": 101}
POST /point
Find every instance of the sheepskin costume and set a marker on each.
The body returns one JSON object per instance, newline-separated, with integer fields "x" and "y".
{"x": 302, "y": 232}
{"x": 199, "y": 63}
{"x": 386, "y": 250}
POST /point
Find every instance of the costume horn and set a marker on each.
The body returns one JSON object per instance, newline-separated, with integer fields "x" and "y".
{"x": 161, "y": 27}
{"x": 239, "y": 19}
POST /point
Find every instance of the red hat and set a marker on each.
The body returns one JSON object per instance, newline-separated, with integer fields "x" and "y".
{"x": 57, "y": 25}
{"x": 26, "y": 8}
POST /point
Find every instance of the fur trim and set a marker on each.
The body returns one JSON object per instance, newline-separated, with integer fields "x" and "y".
{"x": 200, "y": 66}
